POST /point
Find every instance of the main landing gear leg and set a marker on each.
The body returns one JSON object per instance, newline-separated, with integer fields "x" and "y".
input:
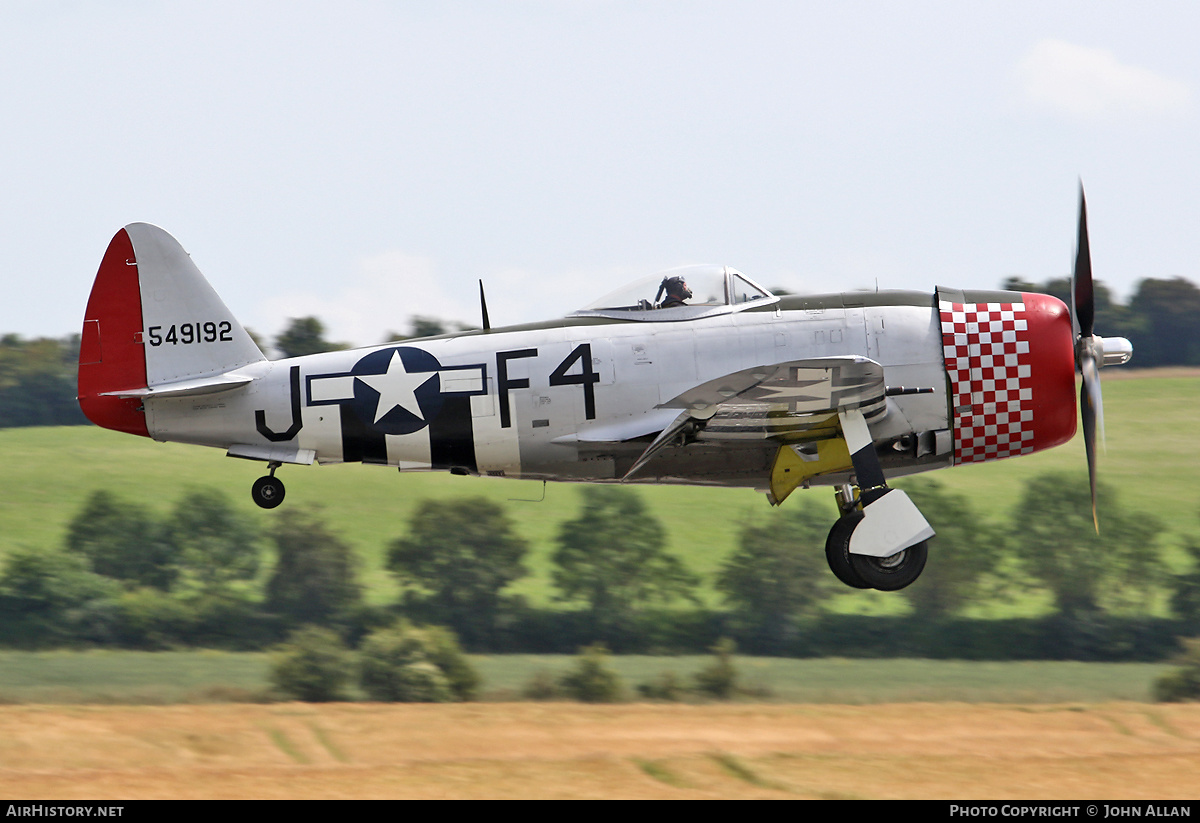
{"x": 879, "y": 542}
{"x": 268, "y": 491}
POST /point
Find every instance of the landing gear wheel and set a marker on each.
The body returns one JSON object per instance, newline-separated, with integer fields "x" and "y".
{"x": 837, "y": 551}
{"x": 889, "y": 574}
{"x": 267, "y": 492}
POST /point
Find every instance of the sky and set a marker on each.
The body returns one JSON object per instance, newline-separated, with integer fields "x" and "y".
{"x": 366, "y": 162}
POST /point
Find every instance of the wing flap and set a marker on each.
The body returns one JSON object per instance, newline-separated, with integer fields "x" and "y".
{"x": 790, "y": 398}
{"x": 789, "y": 401}
{"x": 814, "y": 385}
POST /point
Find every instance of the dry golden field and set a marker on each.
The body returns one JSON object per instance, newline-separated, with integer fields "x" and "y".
{"x": 557, "y": 750}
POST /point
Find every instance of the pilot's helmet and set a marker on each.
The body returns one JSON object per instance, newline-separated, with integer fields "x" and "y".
{"x": 676, "y": 287}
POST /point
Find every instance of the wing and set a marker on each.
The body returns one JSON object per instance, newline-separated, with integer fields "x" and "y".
{"x": 792, "y": 400}
{"x": 785, "y": 397}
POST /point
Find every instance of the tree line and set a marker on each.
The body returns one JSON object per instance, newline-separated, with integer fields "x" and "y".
{"x": 37, "y": 377}
{"x": 1160, "y": 319}
{"x": 207, "y": 575}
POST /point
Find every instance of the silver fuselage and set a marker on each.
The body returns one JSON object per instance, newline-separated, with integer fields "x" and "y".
{"x": 573, "y": 400}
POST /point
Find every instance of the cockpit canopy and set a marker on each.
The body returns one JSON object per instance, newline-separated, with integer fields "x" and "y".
{"x": 715, "y": 290}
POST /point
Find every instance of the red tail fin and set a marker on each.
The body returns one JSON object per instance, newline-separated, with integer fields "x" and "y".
{"x": 112, "y": 355}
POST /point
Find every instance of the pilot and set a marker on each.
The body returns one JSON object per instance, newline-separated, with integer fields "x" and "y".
{"x": 677, "y": 292}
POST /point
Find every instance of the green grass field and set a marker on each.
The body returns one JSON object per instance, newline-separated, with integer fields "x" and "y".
{"x": 49, "y": 473}
{"x": 127, "y": 677}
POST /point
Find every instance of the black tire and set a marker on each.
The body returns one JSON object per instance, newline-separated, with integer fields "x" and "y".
{"x": 837, "y": 551}
{"x": 267, "y": 492}
{"x": 889, "y": 574}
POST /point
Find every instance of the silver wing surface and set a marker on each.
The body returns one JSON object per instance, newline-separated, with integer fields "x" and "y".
{"x": 792, "y": 400}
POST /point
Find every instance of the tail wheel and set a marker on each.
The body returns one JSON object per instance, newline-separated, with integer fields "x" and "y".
{"x": 837, "y": 551}
{"x": 267, "y": 492}
{"x": 890, "y": 573}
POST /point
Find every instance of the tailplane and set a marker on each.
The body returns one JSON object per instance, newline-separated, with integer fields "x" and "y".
{"x": 154, "y": 327}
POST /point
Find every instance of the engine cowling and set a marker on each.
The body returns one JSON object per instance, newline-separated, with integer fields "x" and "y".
{"x": 1010, "y": 361}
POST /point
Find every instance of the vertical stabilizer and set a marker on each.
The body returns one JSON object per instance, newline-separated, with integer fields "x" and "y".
{"x": 152, "y": 320}
{"x": 189, "y": 332}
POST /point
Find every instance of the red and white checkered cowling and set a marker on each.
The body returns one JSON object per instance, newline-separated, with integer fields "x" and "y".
{"x": 1012, "y": 376}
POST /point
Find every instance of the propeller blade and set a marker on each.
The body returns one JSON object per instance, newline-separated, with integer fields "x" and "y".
{"x": 1083, "y": 316}
{"x": 1091, "y": 407}
{"x": 1083, "y": 308}
{"x": 1097, "y": 401}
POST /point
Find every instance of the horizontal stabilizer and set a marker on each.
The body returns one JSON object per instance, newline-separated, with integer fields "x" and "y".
{"x": 195, "y": 387}
{"x": 278, "y": 453}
